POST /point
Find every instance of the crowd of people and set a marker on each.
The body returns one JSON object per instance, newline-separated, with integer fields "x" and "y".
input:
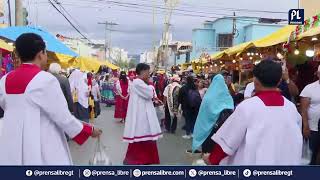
{"x": 258, "y": 125}
{"x": 269, "y": 122}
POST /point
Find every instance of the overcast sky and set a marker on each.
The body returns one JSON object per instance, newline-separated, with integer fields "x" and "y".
{"x": 135, "y": 31}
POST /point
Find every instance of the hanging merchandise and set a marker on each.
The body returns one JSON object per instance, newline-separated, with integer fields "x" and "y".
{"x": 7, "y": 65}
{"x": 306, "y": 26}
{"x": 316, "y": 21}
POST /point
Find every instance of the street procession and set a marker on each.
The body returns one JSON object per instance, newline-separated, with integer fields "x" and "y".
{"x": 159, "y": 83}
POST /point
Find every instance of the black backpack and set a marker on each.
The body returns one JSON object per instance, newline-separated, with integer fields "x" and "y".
{"x": 224, "y": 115}
{"x": 194, "y": 99}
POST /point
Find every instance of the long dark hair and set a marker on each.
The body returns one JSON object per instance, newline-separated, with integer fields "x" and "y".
{"x": 123, "y": 76}
{"x": 190, "y": 83}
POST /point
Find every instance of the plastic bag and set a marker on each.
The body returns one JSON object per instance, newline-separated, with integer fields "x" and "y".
{"x": 160, "y": 112}
{"x": 100, "y": 157}
{"x": 306, "y": 153}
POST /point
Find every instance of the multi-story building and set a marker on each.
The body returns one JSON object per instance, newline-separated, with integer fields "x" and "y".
{"x": 117, "y": 54}
{"x": 148, "y": 57}
{"x": 226, "y": 32}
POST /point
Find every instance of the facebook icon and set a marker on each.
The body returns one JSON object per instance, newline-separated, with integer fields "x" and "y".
{"x": 296, "y": 17}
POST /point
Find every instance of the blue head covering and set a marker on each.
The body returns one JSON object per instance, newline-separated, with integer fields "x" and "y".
{"x": 214, "y": 102}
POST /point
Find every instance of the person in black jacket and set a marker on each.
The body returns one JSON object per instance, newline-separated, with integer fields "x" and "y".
{"x": 55, "y": 69}
{"x": 190, "y": 112}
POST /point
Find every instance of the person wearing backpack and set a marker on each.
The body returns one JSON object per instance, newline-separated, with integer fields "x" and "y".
{"x": 191, "y": 100}
{"x": 217, "y": 105}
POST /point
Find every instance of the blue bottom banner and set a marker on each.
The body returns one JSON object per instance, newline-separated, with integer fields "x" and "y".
{"x": 146, "y": 172}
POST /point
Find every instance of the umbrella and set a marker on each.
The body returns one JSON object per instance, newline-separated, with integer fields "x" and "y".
{"x": 52, "y": 43}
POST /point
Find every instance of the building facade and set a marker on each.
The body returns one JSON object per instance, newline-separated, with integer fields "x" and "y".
{"x": 226, "y": 32}
{"x": 311, "y": 7}
{"x": 82, "y": 47}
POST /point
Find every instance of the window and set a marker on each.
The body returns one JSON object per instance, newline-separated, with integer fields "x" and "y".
{"x": 225, "y": 41}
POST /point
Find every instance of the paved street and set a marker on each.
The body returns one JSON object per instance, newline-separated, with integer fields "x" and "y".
{"x": 171, "y": 147}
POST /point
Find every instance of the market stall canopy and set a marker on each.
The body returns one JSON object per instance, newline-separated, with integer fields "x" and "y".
{"x": 238, "y": 49}
{"x": 64, "y": 60}
{"x": 4, "y": 45}
{"x": 110, "y": 65}
{"x": 280, "y": 36}
{"x": 52, "y": 43}
{"x": 311, "y": 27}
{"x": 91, "y": 64}
{"x": 309, "y": 33}
{"x": 218, "y": 55}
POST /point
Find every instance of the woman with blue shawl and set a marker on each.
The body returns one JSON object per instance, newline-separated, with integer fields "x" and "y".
{"x": 216, "y": 105}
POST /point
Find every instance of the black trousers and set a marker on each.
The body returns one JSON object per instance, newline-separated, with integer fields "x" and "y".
{"x": 190, "y": 117}
{"x": 170, "y": 123}
{"x": 97, "y": 109}
{"x": 315, "y": 146}
{"x": 208, "y": 144}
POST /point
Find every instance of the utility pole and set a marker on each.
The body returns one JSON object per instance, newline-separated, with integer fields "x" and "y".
{"x": 107, "y": 45}
{"x": 18, "y": 13}
{"x": 9, "y": 16}
{"x": 234, "y": 35}
{"x": 170, "y": 6}
{"x": 155, "y": 59}
{"x": 234, "y": 27}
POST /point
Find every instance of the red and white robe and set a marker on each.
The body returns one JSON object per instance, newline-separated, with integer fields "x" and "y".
{"x": 142, "y": 127}
{"x": 263, "y": 130}
{"x": 36, "y": 119}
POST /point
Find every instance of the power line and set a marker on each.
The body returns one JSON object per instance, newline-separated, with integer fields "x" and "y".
{"x": 135, "y": 5}
{"x": 149, "y": 11}
{"x": 207, "y": 7}
{"x": 78, "y": 24}
{"x": 70, "y": 22}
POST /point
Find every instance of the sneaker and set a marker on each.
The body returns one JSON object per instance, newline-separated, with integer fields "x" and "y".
{"x": 186, "y": 137}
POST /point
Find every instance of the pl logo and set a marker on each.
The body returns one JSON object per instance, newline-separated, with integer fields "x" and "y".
{"x": 296, "y": 17}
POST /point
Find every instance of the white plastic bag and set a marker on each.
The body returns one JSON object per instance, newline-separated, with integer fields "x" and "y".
{"x": 306, "y": 153}
{"x": 160, "y": 112}
{"x": 100, "y": 157}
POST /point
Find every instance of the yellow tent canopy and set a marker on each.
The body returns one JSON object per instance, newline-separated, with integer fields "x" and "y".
{"x": 161, "y": 71}
{"x": 91, "y": 64}
{"x": 4, "y": 45}
{"x": 280, "y": 36}
{"x": 84, "y": 63}
{"x": 110, "y": 65}
{"x": 64, "y": 60}
{"x": 217, "y": 55}
{"x": 87, "y": 64}
{"x": 238, "y": 48}
{"x": 311, "y": 32}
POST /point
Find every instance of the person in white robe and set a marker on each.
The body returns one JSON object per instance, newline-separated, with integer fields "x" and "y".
{"x": 142, "y": 128}
{"x": 36, "y": 116}
{"x": 264, "y": 129}
{"x": 80, "y": 91}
